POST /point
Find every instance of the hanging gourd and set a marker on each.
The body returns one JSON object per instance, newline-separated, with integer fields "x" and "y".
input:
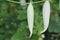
{"x": 30, "y": 17}
{"x": 22, "y": 2}
{"x": 46, "y": 15}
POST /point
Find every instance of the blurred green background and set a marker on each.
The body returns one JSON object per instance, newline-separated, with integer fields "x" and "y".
{"x": 13, "y": 21}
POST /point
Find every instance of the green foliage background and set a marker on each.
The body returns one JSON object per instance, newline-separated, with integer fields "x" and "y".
{"x": 13, "y": 20}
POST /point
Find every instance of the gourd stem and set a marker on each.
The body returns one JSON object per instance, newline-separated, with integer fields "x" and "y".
{"x": 24, "y": 3}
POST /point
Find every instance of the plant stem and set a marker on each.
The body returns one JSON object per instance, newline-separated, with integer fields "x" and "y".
{"x": 24, "y": 3}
